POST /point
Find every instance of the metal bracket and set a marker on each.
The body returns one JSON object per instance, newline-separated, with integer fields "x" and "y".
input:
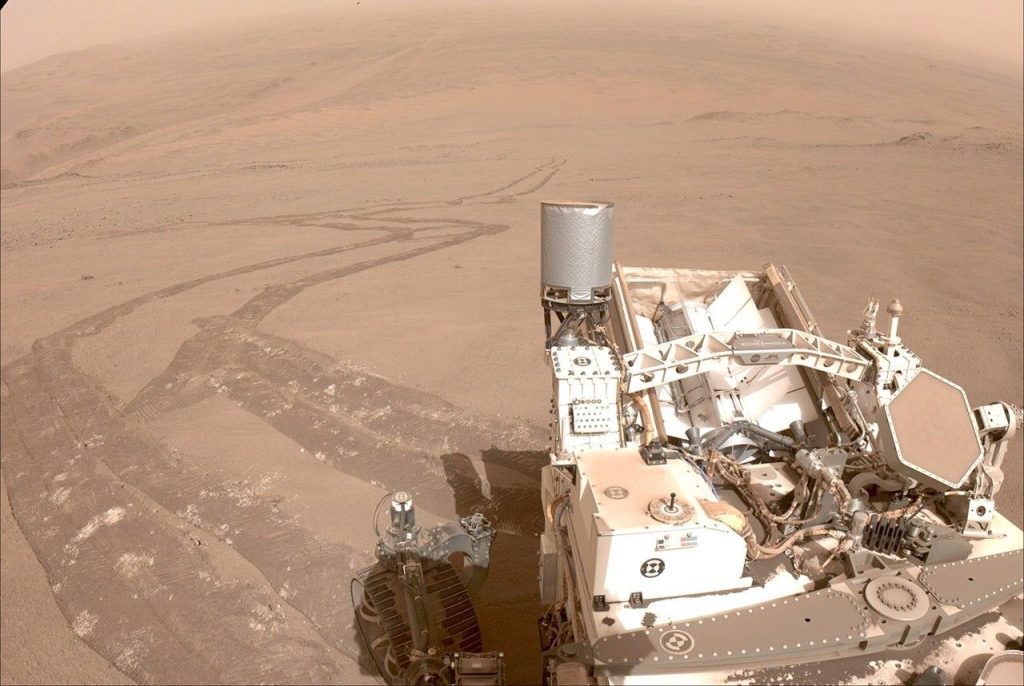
{"x": 654, "y": 454}
{"x": 718, "y": 350}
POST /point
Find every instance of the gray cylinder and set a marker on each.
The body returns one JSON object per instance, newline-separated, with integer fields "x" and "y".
{"x": 403, "y": 514}
{"x": 576, "y": 247}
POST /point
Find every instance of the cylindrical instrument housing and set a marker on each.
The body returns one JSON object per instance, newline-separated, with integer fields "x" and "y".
{"x": 576, "y": 248}
{"x": 403, "y": 514}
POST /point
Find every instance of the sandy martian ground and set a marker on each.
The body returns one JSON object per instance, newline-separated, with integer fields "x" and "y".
{"x": 254, "y": 278}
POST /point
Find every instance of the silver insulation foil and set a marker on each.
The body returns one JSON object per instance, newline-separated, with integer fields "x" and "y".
{"x": 576, "y": 247}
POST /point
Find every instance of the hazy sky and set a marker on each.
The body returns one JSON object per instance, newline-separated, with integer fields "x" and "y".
{"x": 33, "y": 29}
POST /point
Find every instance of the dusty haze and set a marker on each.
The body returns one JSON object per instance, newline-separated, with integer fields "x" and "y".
{"x": 255, "y": 275}
{"x": 989, "y": 30}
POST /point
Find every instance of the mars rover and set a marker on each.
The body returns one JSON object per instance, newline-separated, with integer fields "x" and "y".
{"x": 727, "y": 487}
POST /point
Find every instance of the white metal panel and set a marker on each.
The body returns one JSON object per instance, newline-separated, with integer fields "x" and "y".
{"x": 586, "y": 399}
{"x": 626, "y": 550}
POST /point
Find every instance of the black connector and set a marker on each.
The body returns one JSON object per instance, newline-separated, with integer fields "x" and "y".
{"x": 653, "y": 454}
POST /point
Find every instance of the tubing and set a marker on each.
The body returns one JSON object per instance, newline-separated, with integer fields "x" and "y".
{"x": 843, "y": 547}
{"x": 867, "y": 478}
{"x": 559, "y": 506}
{"x": 648, "y": 419}
{"x": 758, "y": 551}
{"x": 798, "y": 496}
{"x": 714, "y": 441}
{"x": 738, "y": 480}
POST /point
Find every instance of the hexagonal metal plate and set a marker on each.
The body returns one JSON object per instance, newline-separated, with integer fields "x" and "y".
{"x": 932, "y": 431}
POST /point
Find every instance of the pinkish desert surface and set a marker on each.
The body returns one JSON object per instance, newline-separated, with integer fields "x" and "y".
{"x": 256, "y": 276}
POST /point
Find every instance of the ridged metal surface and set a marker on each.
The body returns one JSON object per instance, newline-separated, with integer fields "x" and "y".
{"x": 576, "y": 247}
{"x": 447, "y": 603}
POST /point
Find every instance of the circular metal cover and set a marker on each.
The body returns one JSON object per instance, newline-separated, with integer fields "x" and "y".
{"x": 897, "y": 598}
{"x": 617, "y": 492}
{"x": 679, "y": 514}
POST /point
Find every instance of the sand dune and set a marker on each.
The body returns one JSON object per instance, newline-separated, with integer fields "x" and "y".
{"x": 253, "y": 277}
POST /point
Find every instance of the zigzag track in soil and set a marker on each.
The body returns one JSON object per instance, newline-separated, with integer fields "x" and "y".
{"x": 68, "y": 457}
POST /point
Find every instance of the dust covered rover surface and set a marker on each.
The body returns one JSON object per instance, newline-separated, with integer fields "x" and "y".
{"x": 728, "y": 487}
